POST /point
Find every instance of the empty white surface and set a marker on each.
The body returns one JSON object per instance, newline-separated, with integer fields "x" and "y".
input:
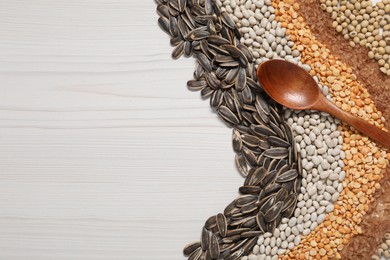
{"x": 104, "y": 152}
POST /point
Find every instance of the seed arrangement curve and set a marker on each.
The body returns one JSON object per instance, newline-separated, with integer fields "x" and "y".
{"x": 295, "y": 164}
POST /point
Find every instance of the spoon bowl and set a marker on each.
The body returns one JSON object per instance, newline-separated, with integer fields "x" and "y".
{"x": 290, "y": 85}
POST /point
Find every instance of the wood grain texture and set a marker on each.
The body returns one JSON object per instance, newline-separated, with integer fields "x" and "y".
{"x": 104, "y": 152}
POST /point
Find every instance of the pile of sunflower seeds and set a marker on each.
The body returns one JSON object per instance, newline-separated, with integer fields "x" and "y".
{"x": 266, "y": 152}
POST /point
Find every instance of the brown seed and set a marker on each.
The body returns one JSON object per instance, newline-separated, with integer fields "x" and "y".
{"x": 250, "y": 140}
{"x": 241, "y": 164}
{"x": 257, "y": 176}
{"x": 214, "y": 247}
{"x": 208, "y": 7}
{"x": 276, "y": 141}
{"x": 244, "y": 49}
{"x": 196, "y": 254}
{"x": 249, "y": 190}
{"x": 241, "y": 79}
{"x": 290, "y": 201}
{"x": 183, "y": 27}
{"x": 204, "y": 61}
{"x": 164, "y": 24}
{"x": 227, "y": 20}
{"x": 216, "y": 98}
{"x": 173, "y": 27}
{"x": 205, "y": 239}
{"x": 228, "y": 115}
{"x": 163, "y": 10}
{"x": 251, "y": 234}
{"x": 244, "y": 200}
{"x": 230, "y": 239}
{"x": 250, "y": 157}
{"x": 217, "y": 40}
{"x": 237, "y": 142}
{"x": 188, "y": 50}
{"x": 188, "y": 249}
{"x": 273, "y": 212}
{"x": 211, "y": 222}
{"x": 196, "y": 85}
{"x": 198, "y": 34}
{"x": 276, "y": 153}
{"x": 178, "y": 51}
{"x": 287, "y": 176}
{"x": 222, "y": 224}
{"x": 212, "y": 80}
{"x": 181, "y": 5}
{"x": 260, "y": 221}
{"x": 262, "y": 130}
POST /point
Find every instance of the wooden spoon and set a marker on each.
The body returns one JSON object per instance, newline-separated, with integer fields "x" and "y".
{"x": 291, "y": 86}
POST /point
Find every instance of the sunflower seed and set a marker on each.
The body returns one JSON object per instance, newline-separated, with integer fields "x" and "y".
{"x": 207, "y": 91}
{"x": 178, "y": 51}
{"x": 212, "y": 80}
{"x": 221, "y": 224}
{"x": 173, "y": 11}
{"x": 230, "y": 239}
{"x": 233, "y": 50}
{"x": 211, "y": 28}
{"x": 173, "y": 27}
{"x": 260, "y": 221}
{"x": 276, "y": 153}
{"x": 254, "y": 85}
{"x": 276, "y": 141}
{"x": 241, "y": 164}
{"x": 244, "y": 49}
{"x": 198, "y": 34}
{"x": 287, "y": 176}
{"x": 163, "y": 10}
{"x": 216, "y": 98}
{"x": 190, "y": 248}
{"x": 249, "y": 189}
{"x": 281, "y": 195}
{"x": 204, "y": 19}
{"x": 228, "y": 115}
{"x": 164, "y": 24}
{"x": 290, "y": 201}
{"x": 196, "y": 254}
{"x": 205, "y": 239}
{"x": 245, "y": 200}
{"x": 249, "y": 209}
{"x": 210, "y": 222}
{"x": 241, "y": 79}
{"x": 273, "y": 212}
{"x": 181, "y": 5}
{"x": 249, "y": 244}
{"x": 230, "y": 64}
{"x": 262, "y": 130}
{"x": 269, "y": 178}
{"x": 227, "y": 20}
{"x": 217, "y": 40}
{"x": 204, "y": 61}
{"x": 250, "y": 157}
{"x": 258, "y": 176}
{"x": 237, "y": 142}
{"x": 249, "y": 234}
{"x": 247, "y": 95}
{"x": 271, "y": 188}
{"x": 214, "y": 247}
{"x": 188, "y": 50}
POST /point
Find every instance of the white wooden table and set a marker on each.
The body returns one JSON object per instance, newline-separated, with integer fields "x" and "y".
{"x": 104, "y": 152}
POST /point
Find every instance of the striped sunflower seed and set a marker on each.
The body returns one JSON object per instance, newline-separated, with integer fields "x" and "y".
{"x": 221, "y": 224}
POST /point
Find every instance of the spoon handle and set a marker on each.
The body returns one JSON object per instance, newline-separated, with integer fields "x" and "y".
{"x": 359, "y": 124}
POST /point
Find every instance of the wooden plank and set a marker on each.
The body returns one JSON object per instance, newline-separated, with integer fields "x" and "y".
{"x": 104, "y": 153}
